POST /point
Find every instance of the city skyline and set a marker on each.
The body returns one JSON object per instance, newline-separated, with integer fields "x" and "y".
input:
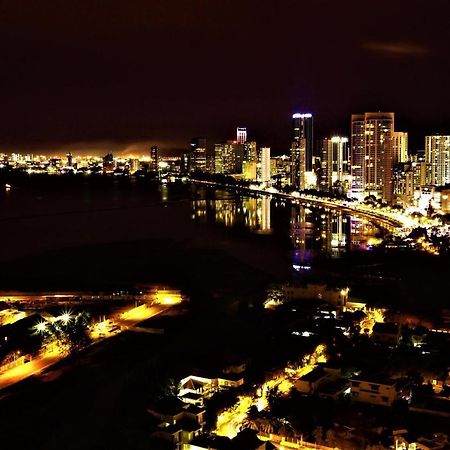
{"x": 131, "y": 149}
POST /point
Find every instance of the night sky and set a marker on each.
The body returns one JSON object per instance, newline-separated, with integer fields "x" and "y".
{"x": 119, "y": 75}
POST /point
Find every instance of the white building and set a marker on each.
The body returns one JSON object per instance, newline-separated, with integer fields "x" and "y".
{"x": 437, "y": 157}
{"x": 264, "y": 176}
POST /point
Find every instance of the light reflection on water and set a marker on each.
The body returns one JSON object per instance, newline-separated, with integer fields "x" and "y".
{"x": 310, "y": 230}
{"x": 253, "y": 212}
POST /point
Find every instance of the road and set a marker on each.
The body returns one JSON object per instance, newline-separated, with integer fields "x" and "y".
{"x": 128, "y": 320}
{"x": 28, "y": 369}
{"x": 397, "y": 221}
{"x": 229, "y": 421}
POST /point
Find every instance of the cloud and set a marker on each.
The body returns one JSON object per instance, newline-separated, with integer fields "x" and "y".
{"x": 396, "y": 49}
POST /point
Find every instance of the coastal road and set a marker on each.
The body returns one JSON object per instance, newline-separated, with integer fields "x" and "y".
{"x": 128, "y": 320}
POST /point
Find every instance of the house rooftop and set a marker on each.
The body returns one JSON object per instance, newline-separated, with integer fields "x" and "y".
{"x": 193, "y": 409}
{"x": 333, "y": 387}
{"x": 314, "y": 375}
{"x": 374, "y": 379}
{"x": 192, "y": 396}
{"x": 215, "y": 373}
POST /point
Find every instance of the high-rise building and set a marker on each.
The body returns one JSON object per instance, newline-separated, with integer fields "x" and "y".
{"x": 241, "y": 135}
{"x": 298, "y": 164}
{"x": 404, "y": 187}
{"x": 108, "y": 163}
{"x": 400, "y": 146}
{"x": 186, "y": 162}
{"x": 238, "y": 150}
{"x": 198, "y": 154}
{"x": 69, "y": 159}
{"x": 264, "y": 173}
{"x": 218, "y": 158}
{"x": 250, "y": 151}
{"x": 228, "y": 158}
{"x": 210, "y": 163}
{"x": 302, "y": 128}
{"x": 437, "y": 158}
{"x": 372, "y": 157}
{"x": 420, "y": 172}
{"x": 154, "y": 158}
{"x": 335, "y": 164}
{"x": 134, "y": 165}
{"x": 357, "y": 153}
{"x": 341, "y": 158}
{"x": 250, "y": 161}
{"x": 326, "y": 166}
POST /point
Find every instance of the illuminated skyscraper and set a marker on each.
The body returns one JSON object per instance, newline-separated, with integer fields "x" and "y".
{"x": 437, "y": 158}
{"x": 372, "y": 155}
{"x": 302, "y": 127}
{"x": 420, "y": 172}
{"x": 404, "y": 188}
{"x": 250, "y": 160}
{"x": 335, "y": 164}
{"x": 69, "y": 159}
{"x": 154, "y": 158}
{"x": 298, "y": 164}
{"x": 134, "y": 165}
{"x": 341, "y": 158}
{"x": 264, "y": 162}
{"x": 218, "y": 158}
{"x": 228, "y": 158}
{"x": 250, "y": 152}
{"x": 326, "y": 166}
{"x": 400, "y": 146}
{"x": 357, "y": 154}
{"x": 197, "y": 154}
{"x": 241, "y": 135}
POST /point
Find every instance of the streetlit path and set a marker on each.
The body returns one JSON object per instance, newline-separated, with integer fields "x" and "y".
{"x": 398, "y": 222}
{"x": 128, "y": 320}
{"x": 229, "y": 422}
{"x": 28, "y": 369}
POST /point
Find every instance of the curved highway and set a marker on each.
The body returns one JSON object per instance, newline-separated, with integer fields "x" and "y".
{"x": 395, "y": 222}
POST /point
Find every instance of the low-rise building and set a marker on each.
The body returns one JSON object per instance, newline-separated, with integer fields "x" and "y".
{"x": 332, "y": 295}
{"x": 245, "y": 440}
{"x": 387, "y": 333}
{"x": 334, "y": 389}
{"x": 379, "y": 391}
{"x": 310, "y": 382}
{"x": 203, "y": 384}
{"x": 180, "y": 422}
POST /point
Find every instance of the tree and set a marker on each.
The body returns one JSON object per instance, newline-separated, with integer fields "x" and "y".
{"x": 69, "y": 332}
{"x": 285, "y": 428}
{"x": 330, "y": 438}
{"x": 318, "y": 434}
{"x": 274, "y": 398}
{"x": 251, "y": 421}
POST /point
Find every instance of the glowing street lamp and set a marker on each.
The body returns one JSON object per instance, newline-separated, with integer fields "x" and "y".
{"x": 65, "y": 317}
{"x": 40, "y": 327}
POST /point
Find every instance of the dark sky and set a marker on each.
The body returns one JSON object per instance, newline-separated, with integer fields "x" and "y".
{"x": 99, "y": 75}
